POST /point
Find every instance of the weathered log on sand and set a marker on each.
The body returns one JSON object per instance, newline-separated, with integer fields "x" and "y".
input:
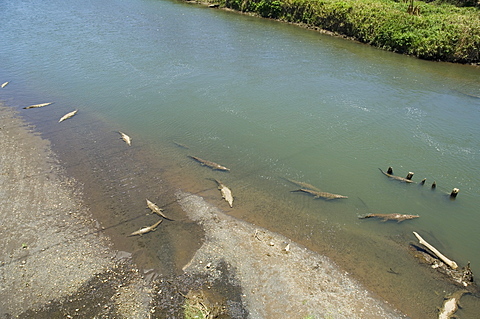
{"x": 447, "y": 261}
{"x": 460, "y": 276}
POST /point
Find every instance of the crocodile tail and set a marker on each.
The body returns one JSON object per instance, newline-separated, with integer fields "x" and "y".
{"x": 366, "y": 216}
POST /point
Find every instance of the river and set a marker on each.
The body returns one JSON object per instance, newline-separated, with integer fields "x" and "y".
{"x": 271, "y": 102}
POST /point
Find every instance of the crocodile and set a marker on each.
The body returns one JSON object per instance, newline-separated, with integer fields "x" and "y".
{"x": 146, "y": 229}
{"x": 181, "y": 145}
{"x": 398, "y": 217}
{"x": 157, "y": 210}
{"x": 303, "y": 184}
{"x": 212, "y": 165}
{"x": 126, "y": 138}
{"x": 67, "y": 116}
{"x": 226, "y": 193}
{"x": 37, "y": 105}
{"x": 317, "y": 194}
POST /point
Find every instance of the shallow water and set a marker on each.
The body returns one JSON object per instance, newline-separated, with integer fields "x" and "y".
{"x": 269, "y": 101}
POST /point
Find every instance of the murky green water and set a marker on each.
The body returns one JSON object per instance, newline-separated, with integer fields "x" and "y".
{"x": 270, "y": 101}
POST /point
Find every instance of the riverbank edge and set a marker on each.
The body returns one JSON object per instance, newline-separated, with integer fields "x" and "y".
{"x": 449, "y": 36}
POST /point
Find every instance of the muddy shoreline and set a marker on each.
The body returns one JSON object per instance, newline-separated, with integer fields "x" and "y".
{"x": 46, "y": 222}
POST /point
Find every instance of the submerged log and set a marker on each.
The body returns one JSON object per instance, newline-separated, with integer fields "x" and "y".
{"x": 398, "y": 178}
{"x": 447, "y": 261}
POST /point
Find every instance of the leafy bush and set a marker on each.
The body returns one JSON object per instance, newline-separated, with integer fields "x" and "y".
{"x": 269, "y": 8}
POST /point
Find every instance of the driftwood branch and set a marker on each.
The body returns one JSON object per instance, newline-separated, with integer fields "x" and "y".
{"x": 447, "y": 261}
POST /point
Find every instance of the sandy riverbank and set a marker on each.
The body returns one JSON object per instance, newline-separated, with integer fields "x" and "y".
{"x": 50, "y": 248}
{"x": 56, "y": 262}
{"x": 279, "y": 278}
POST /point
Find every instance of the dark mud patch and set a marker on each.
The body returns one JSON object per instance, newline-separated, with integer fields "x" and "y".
{"x": 94, "y": 298}
{"x": 107, "y": 295}
{"x": 219, "y": 298}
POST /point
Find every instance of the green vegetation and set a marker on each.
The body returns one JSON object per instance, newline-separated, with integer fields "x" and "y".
{"x": 429, "y": 30}
{"x": 191, "y": 312}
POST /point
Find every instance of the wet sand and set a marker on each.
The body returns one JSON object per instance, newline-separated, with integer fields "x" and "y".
{"x": 56, "y": 260}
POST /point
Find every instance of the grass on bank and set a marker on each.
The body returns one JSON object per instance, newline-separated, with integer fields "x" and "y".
{"x": 433, "y": 31}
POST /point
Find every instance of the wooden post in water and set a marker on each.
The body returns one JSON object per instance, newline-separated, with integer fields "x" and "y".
{"x": 409, "y": 176}
{"x": 454, "y": 193}
{"x": 390, "y": 170}
{"x": 434, "y": 185}
{"x": 423, "y": 181}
